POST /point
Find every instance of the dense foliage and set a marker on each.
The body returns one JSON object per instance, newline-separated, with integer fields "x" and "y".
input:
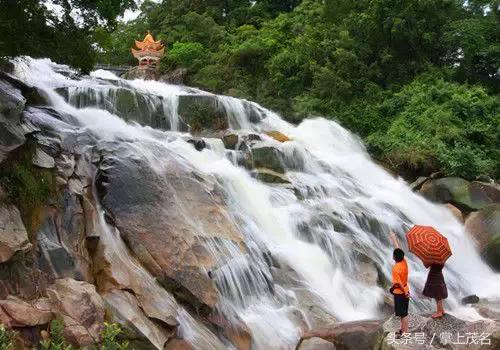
{"x": 417, "y": 79}
{"x": 59, "y": 29}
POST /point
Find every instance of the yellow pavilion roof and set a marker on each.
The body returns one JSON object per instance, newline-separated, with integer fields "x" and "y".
{"x": 148, "y": 43}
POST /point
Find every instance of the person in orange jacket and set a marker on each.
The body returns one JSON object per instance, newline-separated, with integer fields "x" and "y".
{"x": 400, "y": 288}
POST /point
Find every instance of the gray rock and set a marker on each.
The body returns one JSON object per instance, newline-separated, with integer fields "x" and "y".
{"x": 316, "y": 344}
{"x": 12, "y": 103}
{"x": 153, "y": 212}
{"x": 138, "y": 328}
{"x": 270, "y": 176}
{"x": 484, "y": 224}
{"x": 417, "y": 184}
{"x": 42, "y": 159}
{"x": 265, "y": 155}
{"x": 461, "y": 193}
{"x": 13, "y": 235}
{"x": 81, "y": 309}
{"x": 470, "y": 299}
{"x": 65, "y": 165}
{"x": 176, "y": 76}
{"x": 230, "y": 140}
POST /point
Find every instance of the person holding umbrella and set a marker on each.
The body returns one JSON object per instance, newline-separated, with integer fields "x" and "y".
{"x": 433, "y": 249}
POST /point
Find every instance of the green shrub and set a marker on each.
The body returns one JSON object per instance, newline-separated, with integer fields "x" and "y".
{"x": 435, "y": 124}
{"x": 28, "y": 186}
{"x": 109, "y": 338}
{"x": 6, "y": 338}
{"x": 192, "y": 55}
{"x": 56, "y": 340}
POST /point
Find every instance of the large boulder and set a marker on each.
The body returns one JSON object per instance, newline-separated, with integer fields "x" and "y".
{"x": 491, "y": 253}
{"x": 11, "y": 105}
{"x": 140, "y": 330}
{"x": 13, "y": 235}
{"x": 357, "y": 335}
{"x": 455, "y": 211}
{"x": 176, "y": 76}
{"x": 61, "y": 237}
{"x": 19, "y": 313}
{"x": 81, "y": 309}
{"x": 167, "y": 217}
{"x": 446, "y": 332}
{"x": 270, "y": 176}
{"x": 145, "y": 109}
{"x": 202, "y": 112}
{"x": 315, "y": 344}
{"x": 461, "y": 193}
{"x": 484, "y": 224}
{"x": 266, "y": 155}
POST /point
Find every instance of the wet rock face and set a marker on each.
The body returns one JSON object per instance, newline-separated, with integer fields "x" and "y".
{"x": 202, "y": 112}
{"x": 484, "y": 226}
{"x": 461, "y": 193}
{"x": 154, "y": 211}
{"x": 11, "y": 105}
{"x": 13, "y": 235}
{"x": 141, "y": 331}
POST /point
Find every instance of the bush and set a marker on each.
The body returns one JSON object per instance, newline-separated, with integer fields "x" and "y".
{"x": 191, "y": 55}
{"x": 437, "y": 124}
{"x": 6, "y": 338}
{"x": 56, "y": 340}
{"x": 109, "y": 338}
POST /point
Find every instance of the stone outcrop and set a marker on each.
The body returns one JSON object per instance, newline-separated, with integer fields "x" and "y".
{"x": 264, "y": 155}
{"x": 11, "y": 105}
{"x": 13, "y": 235}
{"x": 15, "y": 312}
{"x": 315, "y": 344}
{"x": 81, "y": 309}
{"x": 358, "y": 335}
{"x": 484, "y": 224}
{"x": 152, "y": 211}
{"x": 425, "y": 333}
{"x": 461, "y": 193}
{"x": 139, "y": 329}
{"x": 474, "y": 202}
{"x": 176, "y": 76}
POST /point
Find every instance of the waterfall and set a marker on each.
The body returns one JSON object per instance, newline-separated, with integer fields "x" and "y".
{"x": 310, "y": 239}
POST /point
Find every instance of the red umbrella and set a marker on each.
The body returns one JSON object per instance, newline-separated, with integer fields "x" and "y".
{"x": 428, "y": 244}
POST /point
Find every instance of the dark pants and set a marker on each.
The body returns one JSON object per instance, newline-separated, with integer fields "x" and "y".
{"x": 401, "y": 305}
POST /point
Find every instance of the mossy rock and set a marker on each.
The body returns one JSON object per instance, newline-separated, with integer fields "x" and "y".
{"x": 461, "y": 193}
{"x": 202, "y": 112}
{"x": 267, "y": 156}
{"x": 28, "y": 186}
{"x": 269, "y": 176}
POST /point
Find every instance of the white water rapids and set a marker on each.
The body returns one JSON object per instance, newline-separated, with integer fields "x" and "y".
{"x": 337, "y": 212}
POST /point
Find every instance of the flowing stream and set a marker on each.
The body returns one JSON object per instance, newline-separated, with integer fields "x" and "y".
{"x": 323, "y": 230}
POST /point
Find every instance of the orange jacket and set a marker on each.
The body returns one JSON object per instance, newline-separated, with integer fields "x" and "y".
{"x": 400, "y": 276}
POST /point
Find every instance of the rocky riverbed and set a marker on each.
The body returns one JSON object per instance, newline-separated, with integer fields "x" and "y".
{"x": 141, "y": 230}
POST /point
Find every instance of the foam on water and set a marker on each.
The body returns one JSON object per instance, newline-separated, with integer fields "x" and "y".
{"x": 347, "y": 206}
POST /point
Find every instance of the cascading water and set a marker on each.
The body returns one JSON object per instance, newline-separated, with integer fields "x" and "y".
{"x": 312, "y": 236}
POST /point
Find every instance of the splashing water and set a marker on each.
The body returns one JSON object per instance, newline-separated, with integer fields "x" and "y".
{"x": 323, "y": 229}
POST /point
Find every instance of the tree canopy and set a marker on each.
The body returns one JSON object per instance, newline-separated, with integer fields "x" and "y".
{"x": 61, "y": 30}
{"x": 392, "y": 71}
